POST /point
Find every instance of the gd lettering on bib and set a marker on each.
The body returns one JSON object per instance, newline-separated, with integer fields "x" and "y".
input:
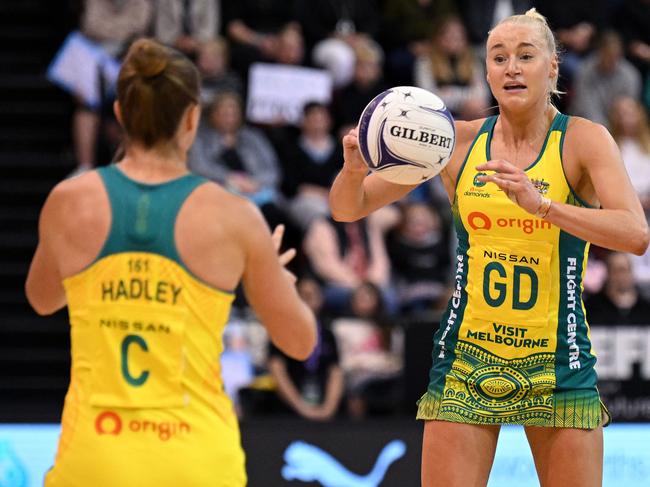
{"x": 509, "y": 280}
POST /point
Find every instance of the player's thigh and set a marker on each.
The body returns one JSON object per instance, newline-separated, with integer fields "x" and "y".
{"x": 457, "y": 454}
{"x": 567, "y": 456}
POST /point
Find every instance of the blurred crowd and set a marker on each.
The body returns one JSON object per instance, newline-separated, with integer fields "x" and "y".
{"x": 363, "y": 279}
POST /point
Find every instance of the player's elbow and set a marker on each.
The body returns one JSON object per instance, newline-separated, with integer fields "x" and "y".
{"x": 40, "y": 301}
{"x": 340, "y": 215}
{"x": 640, "y": 243}
{"x": 343, "y": 212}
{"x": 304, "y": 347}
{"x": 303, "y": 341}
{"x": 42, "y": 307}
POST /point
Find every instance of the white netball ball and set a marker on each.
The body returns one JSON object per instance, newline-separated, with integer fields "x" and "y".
{"x": 406, "y": 135}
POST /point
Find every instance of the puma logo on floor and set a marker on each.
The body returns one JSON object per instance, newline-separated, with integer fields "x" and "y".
{"x": 12, "y": 472}
{"x": 309, "y": 463}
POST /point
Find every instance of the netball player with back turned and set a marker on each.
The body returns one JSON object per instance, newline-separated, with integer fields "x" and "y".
{"x": 529, "y": 189}
{"x": 146, "y": 256}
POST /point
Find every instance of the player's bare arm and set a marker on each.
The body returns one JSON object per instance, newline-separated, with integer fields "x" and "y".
{"x": 597, "y": 172}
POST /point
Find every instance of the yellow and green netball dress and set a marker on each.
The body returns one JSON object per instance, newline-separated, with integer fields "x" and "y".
{"x": 513, "y": 345}
{"x": 146, "y": 405}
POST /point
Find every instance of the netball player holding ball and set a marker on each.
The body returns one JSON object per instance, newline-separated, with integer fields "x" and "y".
{"x": 530, "y": 189}
{"x": 146, "y": 256}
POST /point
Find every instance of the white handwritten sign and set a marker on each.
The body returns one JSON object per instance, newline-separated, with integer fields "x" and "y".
{"x": 277, "y": 93}
{"x": 80, "y": 66}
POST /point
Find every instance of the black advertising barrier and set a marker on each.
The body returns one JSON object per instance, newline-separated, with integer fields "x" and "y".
{"x": 368, "y": 453}
{"x": 623, "y": 366}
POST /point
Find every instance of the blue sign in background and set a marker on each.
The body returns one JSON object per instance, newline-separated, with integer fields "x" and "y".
{"x": 27, "y": 451}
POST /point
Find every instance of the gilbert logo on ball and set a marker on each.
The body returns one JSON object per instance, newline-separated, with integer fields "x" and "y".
{"x": 406, "y": 135}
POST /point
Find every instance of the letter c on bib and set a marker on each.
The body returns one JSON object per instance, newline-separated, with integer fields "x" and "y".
{"x": 144, "y": 375}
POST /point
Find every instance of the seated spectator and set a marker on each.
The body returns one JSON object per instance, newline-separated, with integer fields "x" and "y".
{"x": 333, "y": 29}
{"x": 345, "y": 254}
{"x": 576, "y": 29}
{"x": 596, "y": 272}
{"x": 451, "y": 70}
{"x": 237, "y": 156}
{"x": 106, "y": 29}
{"x": 312, "y": 389}
{"x": 406, "y": 33}
{"x": 420, "y": 258}
{"x": 631, "y": 130}
{"x": 366, "y": 83}
{"x": 604, "y": 76}
{"x": 634, "y": 24}
{"x": 619, "y": 302}
{"x": 187, "y": 24}
{"x": 371, "y": 351}
{"x": 236, "y": 362}
{"x": 252, "y": 28}
{"x": 310, "y": 164}
{"x": 479, "y": 16}
{"x": 216, "y": 75}
{"x": 290, "y": 48}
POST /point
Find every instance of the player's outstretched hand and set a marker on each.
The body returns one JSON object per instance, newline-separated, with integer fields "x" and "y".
{"x": 514, "y": 182}
{"x": 352, "y": 159}
{"x": 286, "y": 256}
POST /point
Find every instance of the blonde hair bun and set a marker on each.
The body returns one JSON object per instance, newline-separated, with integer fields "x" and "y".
{"x": 533, "y": 13}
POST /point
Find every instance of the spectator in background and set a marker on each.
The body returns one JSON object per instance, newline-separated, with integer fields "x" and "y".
{"x": 332, "y": 31}
{"x": 115, "y": 23}
{"x": 479, "y": 16}
{"x": 604, "y": 76}
{"x": 108, "y": 26}
{"x": 313, "y": 389}
{"x": 633, "y": 21}
{"x": 631, "y": 130}
{"x": 366, "y": 83}
{"x": 310, "y": 164}
{"x": 187, "y": 24}
{"x": 343, "y": 255}
{"x": 619, "y": 302}
{"x": 451, "y": 70}
{"x": 238, "y": 156}
{"x": 576, "y": 29}
{"x": 252, "y": 26}
{"x": 371, "y": 350}
{"x": 420, "y": 258}
{"x": 216, "y": 76}
{"x": 290, "y": 48}
{"x": 340, "y": 19}
{"x": 406, "y": 33}
{"x": 236, "y": 363}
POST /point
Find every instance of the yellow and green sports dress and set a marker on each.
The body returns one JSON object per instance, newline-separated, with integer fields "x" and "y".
{"x": 513, "y": 346}
{"x": 146, "y": 404}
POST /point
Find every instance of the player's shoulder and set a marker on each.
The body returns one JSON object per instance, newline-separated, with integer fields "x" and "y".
{"x": 76, "y": 194}
{"x": 583, "y": 127}
{"x": 76, "y": 208}
{"x": 226, "y": 207}
{"x": 580, "y": 130}
{"x": 213, "y": 196}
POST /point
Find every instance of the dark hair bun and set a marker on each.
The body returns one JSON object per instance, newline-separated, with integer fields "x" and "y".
{"x": 149, "y": 59}
{"x": 155, "y": 86}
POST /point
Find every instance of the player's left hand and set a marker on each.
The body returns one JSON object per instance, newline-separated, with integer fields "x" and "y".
{"x": 514, "y": 182}
{"x": 286, "y": 256}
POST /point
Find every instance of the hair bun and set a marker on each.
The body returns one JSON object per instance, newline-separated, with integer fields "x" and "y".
{"x": 149, "y": 59}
